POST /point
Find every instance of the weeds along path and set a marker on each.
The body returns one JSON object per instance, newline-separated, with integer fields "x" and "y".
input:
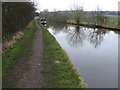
{"x": 33, "y": 77}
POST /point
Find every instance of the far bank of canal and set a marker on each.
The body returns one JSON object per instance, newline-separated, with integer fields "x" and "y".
{"x": 94, "y": 52}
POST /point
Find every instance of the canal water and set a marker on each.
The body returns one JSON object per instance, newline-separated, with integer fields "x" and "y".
{"x": 93, "y": 52}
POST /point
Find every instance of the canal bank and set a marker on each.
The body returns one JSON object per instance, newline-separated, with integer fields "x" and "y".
{"x": 58, "y": 72}
{"x": 97, "y": 26}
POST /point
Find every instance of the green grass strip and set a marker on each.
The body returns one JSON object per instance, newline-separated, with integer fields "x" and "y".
{"x": 15, "y": 52}
{"x": 58, "y": 70}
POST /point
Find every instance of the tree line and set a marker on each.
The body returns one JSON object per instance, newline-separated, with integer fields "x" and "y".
{"x": 15, "y": 17}
{"x": 76, "y": 15}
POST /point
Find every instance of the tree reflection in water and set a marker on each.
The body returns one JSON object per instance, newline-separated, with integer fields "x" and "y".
{"x": 75, "y": 36}
{"x": 96, "y": 36}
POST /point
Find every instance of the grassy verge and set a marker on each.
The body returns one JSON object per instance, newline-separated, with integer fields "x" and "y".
{"x": 22, "y": 48}
{"x": 58, "y": 70}
{"x": 111, "y": 22}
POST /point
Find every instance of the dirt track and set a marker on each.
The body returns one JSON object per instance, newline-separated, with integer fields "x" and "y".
{"x": 33, "y": 78}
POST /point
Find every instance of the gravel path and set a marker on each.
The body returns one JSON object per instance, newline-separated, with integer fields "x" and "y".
{"x": 33, "y": 78}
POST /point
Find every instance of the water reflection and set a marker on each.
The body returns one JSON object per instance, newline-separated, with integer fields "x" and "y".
{"x": 96, "y": 36}
{"x": 76, "y": 35}
{"x": 56, "y": 27}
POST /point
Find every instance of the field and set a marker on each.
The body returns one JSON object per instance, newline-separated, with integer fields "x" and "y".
{"x": 112, "y": 19}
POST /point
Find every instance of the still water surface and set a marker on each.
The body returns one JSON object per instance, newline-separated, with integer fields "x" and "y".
{"x": 94, "y": 52}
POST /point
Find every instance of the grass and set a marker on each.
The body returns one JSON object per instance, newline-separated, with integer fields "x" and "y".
{"x": 22, "y": 48}
{"x": 112, "y": 19}
{"x": 58, "y": 70}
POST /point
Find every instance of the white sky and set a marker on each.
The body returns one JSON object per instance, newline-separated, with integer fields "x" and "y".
{"x": 110, "y": 5}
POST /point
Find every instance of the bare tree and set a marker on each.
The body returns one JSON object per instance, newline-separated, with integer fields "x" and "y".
{"x": 100, "y": 16}
{"x": 78, "y": 13}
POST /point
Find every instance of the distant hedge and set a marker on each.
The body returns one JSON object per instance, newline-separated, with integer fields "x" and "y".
{"x": 15, "y": 16}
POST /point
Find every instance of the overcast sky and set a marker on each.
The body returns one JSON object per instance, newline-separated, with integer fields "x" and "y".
{"x": 67, "y": 4}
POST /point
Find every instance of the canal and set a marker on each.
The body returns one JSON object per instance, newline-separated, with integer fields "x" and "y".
{"x": 93, "y": 52}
